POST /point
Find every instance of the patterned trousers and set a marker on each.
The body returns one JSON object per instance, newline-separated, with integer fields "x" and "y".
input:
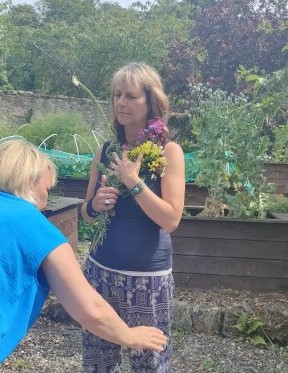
{"x": 139, "y": 300}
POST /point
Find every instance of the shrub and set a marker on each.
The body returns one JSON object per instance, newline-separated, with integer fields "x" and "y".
{"x": 231, "y": 150}
{"x": 66, "y": 132}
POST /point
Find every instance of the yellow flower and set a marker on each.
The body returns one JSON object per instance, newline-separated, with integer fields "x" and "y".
{"x": 153, "y": 158}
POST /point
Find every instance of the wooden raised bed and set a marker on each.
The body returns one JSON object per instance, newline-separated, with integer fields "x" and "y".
{"x": 63, "y": 212}
{"x": 68, "y": 187}
{"x": 194, "y": 195}
{"x": 277, "y": 173}
{"x": 230, "y": 253}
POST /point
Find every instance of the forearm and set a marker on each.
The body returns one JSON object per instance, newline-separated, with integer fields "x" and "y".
{"x": 104, "y": 322}
{"x": 79, "y": 298}
{"x": 162, "y": 212}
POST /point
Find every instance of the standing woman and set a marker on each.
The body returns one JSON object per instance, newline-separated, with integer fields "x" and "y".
{"x": 132, "y": 266}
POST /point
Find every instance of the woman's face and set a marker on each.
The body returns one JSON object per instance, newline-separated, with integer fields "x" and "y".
{"x": 130, "y": 106}
{"x": 41, "y": 189}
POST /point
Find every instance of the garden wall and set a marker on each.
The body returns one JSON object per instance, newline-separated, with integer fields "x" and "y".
{"x": 19, "y": 107}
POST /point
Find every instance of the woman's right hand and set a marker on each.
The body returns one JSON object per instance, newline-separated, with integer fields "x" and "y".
{"x": 147, "y": 337}
{"x": 106, "y": 197}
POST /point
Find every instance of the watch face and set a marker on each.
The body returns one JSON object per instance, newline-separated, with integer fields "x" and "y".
{"x": 137, "y": 189}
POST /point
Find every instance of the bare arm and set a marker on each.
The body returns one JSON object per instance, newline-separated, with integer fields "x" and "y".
{"x": 88, "y": 308}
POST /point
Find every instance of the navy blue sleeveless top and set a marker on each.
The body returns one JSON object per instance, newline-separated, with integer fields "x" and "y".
{"x": 133, "y": 241}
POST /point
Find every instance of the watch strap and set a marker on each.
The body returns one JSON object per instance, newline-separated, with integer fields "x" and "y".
{"x": 90, "y": 211}
{"x": 137, "y": 188}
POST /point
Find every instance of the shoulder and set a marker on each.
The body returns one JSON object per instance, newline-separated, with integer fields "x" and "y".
{"x": 173, "y": 149}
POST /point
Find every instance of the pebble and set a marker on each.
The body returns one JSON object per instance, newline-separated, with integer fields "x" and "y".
{"x": 56, "y": 348}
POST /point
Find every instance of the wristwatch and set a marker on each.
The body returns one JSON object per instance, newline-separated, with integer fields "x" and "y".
{"x": 137, "y": 188}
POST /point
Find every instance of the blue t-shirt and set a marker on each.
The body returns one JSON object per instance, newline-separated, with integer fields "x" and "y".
{"x": 27, "y": 237}
{"x": 133, "y": 241}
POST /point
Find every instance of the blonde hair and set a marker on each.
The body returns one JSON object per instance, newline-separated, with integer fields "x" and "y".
{"x": 139, "y": 74}
{"x": 22, "y": 164}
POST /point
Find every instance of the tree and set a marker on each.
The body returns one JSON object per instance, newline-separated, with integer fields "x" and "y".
{"x": 226, "y": 35}
{"x": 69, "y": 11}
{"x": 90, "y": 40}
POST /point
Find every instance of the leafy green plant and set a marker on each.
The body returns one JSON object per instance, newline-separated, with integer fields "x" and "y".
{"x": 66, "y": 132}
{"x": 208, "y": 365}
{"x": 231, "y": 150}
{"x": 20, "y": 363}
{"x": 72, "y": 167}
{"x": 86, "y": 231}
{"x": 269, "y": 93}
{"x": 250, "y": 326}
{"x": 277, "y": 203}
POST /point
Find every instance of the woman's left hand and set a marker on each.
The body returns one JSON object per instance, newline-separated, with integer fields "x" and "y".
{"x": 126, "y": 170}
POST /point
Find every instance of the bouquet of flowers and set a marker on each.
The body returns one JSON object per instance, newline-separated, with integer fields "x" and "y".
{"x": 149, "y": 143}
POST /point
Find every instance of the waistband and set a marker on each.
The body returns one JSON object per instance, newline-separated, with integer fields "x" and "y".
{"x": 132, "y": 273}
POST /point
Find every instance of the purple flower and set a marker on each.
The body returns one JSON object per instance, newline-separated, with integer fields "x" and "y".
{"x": 153, "y": 131}
{"x": 156, "y": 125}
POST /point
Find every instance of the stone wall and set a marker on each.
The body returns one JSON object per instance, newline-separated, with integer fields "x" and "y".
{"x": 19, "y": 107}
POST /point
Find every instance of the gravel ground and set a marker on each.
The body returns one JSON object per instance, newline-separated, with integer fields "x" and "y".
{"x": 56, "y": 347}
{"x": 53, "y": 347}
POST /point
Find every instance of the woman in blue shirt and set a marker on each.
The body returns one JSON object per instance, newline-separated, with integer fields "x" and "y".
{"x": 35, "y": 256}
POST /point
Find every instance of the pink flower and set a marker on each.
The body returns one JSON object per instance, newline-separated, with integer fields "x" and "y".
{"x": 156, "y": 125}
{"x": 154, "y": 131}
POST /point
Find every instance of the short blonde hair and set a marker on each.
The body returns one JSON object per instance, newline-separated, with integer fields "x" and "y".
{"x": 139, "y": 74}
{"x": 22, "y": 164}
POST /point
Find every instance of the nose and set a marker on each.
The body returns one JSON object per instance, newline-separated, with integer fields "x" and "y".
{"x": 121, "y": 99}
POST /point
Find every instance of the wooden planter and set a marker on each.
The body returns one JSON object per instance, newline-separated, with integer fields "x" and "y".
{"x": 69, "y": 187}
{"x": 231, "y": 253}
{"x": 63, "y": 212}
{"x": 194, "y": 195}
{"x": 277, "y": 173}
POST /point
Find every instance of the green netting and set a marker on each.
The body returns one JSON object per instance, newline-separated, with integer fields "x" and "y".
{"x": 191, "y": 167}
{"x": 70, "y": 165}
{"x": 78, "y": 166}
{"x": 67, "y": 156}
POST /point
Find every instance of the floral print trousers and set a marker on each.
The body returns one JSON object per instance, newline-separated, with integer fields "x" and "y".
{"x": 139, "y": 300}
